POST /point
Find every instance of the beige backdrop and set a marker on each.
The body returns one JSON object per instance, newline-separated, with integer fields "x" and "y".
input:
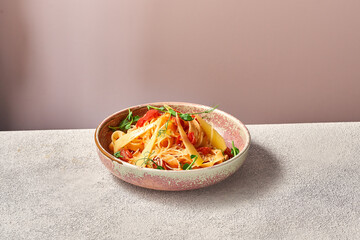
{"x": 70, "y": 63}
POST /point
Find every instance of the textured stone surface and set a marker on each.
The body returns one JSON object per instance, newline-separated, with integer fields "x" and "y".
{"x": 299, "y": 181}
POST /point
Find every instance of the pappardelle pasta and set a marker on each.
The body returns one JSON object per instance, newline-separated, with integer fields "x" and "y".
{"x": 167, "y": 139}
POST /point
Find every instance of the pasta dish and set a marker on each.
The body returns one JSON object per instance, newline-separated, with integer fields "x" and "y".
{"x": 167, "y": 139}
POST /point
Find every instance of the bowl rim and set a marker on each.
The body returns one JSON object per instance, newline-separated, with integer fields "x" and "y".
{"x": 119, "y": 161}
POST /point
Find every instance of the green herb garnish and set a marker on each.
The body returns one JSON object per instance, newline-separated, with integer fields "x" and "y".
{"x": 162, "y": 109}
{"x": 234, "y": 150}
{"x": 118, "y": 154}
{"x": 126, "y": 123}
{"x": 183, "y": 116}
{"x": 157, "y": 166}
{"x": 146, "y": 158}
{"x": 187, "y": 166}
{"x": 162, "y": 131}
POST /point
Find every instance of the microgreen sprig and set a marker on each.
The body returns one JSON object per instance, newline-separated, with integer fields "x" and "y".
{"x": 147, "y": 159}
{"x": 187, "y": 166}
{"x": 162, "y": 131}
{"x": 157, "y": 166}
{"x": 234, "y": 150}
{"x": 183, "y": 116}
{"x": 162, "y": 109}
{"x": 126, "y": 123}
{"x": 118, "y": 154}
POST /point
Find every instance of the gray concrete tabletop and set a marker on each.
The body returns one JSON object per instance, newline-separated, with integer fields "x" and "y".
{"x": 300, "y": 181}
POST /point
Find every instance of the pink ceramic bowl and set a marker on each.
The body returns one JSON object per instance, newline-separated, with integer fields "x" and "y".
{"x": 228, "y": 126}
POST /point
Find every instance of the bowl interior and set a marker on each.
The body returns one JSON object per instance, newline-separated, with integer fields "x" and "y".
{"x": 228, "y": 126}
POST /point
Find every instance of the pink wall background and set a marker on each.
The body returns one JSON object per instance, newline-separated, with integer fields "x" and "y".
{"x": 70, "y": 63}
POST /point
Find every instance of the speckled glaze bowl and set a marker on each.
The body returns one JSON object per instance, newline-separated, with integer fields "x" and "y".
{"x": 228, "y": 126}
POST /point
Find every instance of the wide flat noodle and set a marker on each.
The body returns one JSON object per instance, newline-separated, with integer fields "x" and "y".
{"x": 219, "y": 157}
{"x": 116, "y": 135}
{"x": 188, "y": 145}
{"x": 125, "y": 139}
{"x": 201, "y": 139}
{"x": 215, "y": 138}
{"x": 150, "y": 145}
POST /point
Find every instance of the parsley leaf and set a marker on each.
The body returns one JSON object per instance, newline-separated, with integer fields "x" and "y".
{"x": 157, "y": 166}
{"x": 187, "y": 166}
{"x": 162, "y": 109}
{"x": 118, "y": 154}
{"x": 186, "y": 117}
{"x": 126, "y": 123}
{"x": 234, "y": 150}
{"x": 136, "y": 118}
